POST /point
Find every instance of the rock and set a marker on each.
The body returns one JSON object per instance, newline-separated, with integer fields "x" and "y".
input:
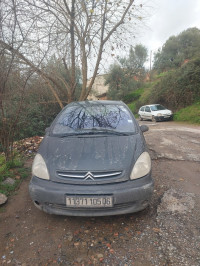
{"x": 68, "y": 236}
{"x": 3, "y": 199}
{"x": 9, "y": 181}
{"x": 176, "y": 202}
{"x": 79, "y": 259}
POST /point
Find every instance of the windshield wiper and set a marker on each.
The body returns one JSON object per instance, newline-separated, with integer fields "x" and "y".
{"x": 112, "y": 132}
{"x": 95, "y": 131}
{"x": 100, "y": 130}
{"x": 75, "y": 134}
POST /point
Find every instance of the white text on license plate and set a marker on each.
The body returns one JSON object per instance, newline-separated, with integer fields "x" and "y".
{"x": 91, "y": 202}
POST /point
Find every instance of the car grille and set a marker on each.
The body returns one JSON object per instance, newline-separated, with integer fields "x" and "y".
{"x": 89, "y": 176}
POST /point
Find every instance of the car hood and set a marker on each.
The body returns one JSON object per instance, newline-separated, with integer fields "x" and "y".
{"x": 164, "y": 112}
{"x": 101, "y": 153}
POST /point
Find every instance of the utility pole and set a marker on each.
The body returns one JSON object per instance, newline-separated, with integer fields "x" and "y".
{"x": 150, "y": 65}
{"x": 150, "y": 59}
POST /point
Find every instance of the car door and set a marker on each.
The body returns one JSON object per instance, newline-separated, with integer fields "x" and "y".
{"x": 147, "y": 113}
{"x": 141, "y": 113}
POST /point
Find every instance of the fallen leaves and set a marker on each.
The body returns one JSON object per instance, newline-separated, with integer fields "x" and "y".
{"x": 156, "y": 230}
{"x": 28, "y": 146}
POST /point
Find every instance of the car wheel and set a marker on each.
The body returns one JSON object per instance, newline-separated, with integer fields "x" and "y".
{"x": 153, "y": 119}
{"x": 140, "y": 118}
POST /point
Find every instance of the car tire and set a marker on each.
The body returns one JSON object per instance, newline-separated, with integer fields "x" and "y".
{"x": 140, "y": 118}
{"x": 153, "y": 119}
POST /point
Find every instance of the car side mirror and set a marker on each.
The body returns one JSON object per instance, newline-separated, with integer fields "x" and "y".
{"x": 144, "y": 128}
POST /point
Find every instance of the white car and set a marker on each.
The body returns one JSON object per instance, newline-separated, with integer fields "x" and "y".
{"x": 155, "y": 112}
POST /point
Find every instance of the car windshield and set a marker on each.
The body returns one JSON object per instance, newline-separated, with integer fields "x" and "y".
{"x": 157, "y": 107}
{"x": 94, "y": 118}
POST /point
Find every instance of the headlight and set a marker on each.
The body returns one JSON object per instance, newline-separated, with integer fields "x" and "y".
{"x": 39, "y": 167}
{"x": 142, "y": 166}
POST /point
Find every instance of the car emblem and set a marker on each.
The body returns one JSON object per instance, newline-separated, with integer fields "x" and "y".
{"x": 89, "y": 176}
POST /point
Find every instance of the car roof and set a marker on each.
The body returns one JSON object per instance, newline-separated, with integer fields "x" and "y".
{"x": 150, "y": 105}
{"x": 99, "y": 102}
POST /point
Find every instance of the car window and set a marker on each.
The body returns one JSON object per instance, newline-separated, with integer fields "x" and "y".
{"x": 147, "y": 109}
{"x": 157, "y": 107}
{"x": 142, "y": 109}
{"x": 81, "y": 117}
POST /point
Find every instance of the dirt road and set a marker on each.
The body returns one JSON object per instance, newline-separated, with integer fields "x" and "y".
{"x": 166, "y": 233}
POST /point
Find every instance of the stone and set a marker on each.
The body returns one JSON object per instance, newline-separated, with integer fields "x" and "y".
{"x": 175, "y": 201}
{"x": 68, "y": 236}
{"x": 9, "y": 181}
{"x": 3, "y": 199}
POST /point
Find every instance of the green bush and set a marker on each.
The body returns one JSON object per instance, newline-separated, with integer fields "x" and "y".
{"x": 178, "y": 88}
{"x": 11, "y": 169}
{"x": 133, "y": 96}
{"x": 132, "y": 107}
{"x": 36, "y": 119}
{"x": 189, "y": 114}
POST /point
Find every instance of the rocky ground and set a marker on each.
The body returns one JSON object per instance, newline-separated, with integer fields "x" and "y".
{"x": 166, "y": 233}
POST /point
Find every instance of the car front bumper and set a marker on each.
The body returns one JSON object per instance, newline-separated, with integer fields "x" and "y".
{"x": 164, "y": 117}
{"x": 128, "y": 197}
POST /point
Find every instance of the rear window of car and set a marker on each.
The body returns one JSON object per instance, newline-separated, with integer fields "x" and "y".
{"x": 82, "y": 117}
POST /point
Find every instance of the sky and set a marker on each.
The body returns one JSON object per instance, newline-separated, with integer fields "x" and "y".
{"x": 167, "y": 18}
{"x": 162, "y": 19}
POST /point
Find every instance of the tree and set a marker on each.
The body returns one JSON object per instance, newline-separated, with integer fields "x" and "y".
{"x": 134, "y": 64}
{"x": 185, "y": 46}
{"x": 76, "y": 32}
{"x": 117, "y": 83}
{"x": 128, "y": 75}
{"x": 179, "y": 87}
{"x": 12, "y": 90}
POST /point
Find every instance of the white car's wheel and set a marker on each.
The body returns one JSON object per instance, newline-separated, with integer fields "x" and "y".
{"x": 140, "y": 118}
{"x": 153, "y": 119}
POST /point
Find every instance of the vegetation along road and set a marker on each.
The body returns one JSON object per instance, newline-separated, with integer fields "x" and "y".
{"x": 166, "y": 233}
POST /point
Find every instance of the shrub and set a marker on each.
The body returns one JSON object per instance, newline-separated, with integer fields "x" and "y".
{"x": 190, "y": 114}
{"x": 133, "y": 96}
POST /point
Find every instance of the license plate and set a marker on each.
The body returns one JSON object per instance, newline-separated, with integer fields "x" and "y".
{"x": 90, "y": 202}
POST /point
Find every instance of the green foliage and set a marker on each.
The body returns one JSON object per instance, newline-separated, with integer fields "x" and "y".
{"x": 39, "y": 111}
{"x": 177, "y": 49}
{"x": 119, "y": 82}
{"x": 127, "y": 76}
{"x": 161, "y": 75}
{"x": 11, "y": 169}
{"x": 133, "y": 96}
{"x": 132, "y": 107}
{"x": 136, "y": 59}
{"x": 41, "y": 107}
{"x": 36, "y": 119}
{"x": 190, "y": 114}
{"x": 178, "y": 88}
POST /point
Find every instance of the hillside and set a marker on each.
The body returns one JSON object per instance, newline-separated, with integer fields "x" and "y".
{"x": 175, "y": 78}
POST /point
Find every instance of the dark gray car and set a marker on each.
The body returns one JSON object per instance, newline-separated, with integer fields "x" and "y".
{"x": 93, "y": 161}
